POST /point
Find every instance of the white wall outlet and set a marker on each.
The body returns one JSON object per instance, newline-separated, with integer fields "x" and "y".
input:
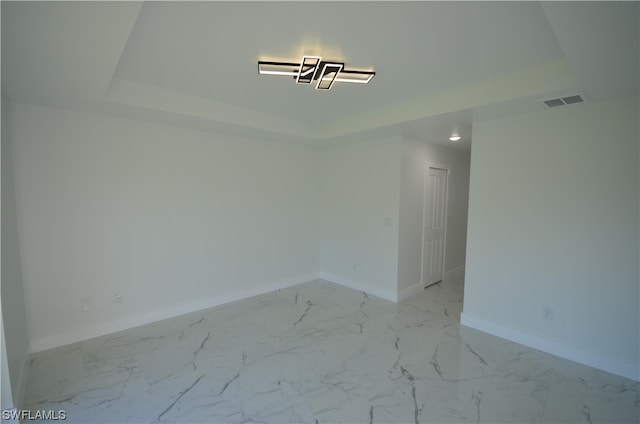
{"x": 118, "y": 297}
{"x": 547, "y": 313}
{"x": 85, "y": 304}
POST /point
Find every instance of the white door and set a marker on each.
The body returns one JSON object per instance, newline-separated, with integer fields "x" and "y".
{"x": 434, "y": 220}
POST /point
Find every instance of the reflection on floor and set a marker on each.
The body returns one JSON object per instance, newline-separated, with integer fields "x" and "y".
{"x": 322, "y": 353}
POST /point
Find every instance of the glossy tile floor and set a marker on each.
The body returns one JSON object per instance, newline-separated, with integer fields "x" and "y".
{"x": 321, "y": 353}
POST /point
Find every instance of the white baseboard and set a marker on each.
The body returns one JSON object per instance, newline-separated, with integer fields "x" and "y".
{"x": 406, "y": 293}
{"x": 577, "y": 354}
{"x": 355, "y": 285}
{"x": 454, "y": 273}
{"x": 97, "y": 330}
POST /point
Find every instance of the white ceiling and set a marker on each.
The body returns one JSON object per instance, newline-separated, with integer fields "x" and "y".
{"x": 438, "y": 65}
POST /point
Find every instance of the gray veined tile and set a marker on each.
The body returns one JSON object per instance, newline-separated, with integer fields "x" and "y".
{"x": 322, "y": 353}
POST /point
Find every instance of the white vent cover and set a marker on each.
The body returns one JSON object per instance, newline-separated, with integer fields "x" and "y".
{"x": 564, "y": 100}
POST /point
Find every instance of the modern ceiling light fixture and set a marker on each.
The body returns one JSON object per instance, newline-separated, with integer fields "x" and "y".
{"x": 454, "y": 138}
{"x": 312, "y": 68}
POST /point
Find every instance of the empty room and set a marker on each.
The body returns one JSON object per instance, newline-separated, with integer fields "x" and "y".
{"x": 320, "y": 212}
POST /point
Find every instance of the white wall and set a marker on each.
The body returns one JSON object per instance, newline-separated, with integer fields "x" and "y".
{"x": 359, "y": 185}
{"x": 174, "y": 219}
{"x": 6, "y": 395}
{"x": 415, "y": 154}
{"x": 177, "y": 219}
{"x": 553, "y": 222}
{"x": 13, "y": 309}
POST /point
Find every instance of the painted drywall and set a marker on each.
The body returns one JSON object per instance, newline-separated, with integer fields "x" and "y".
{"x": 13, "y": 309}
{"x": 554, "y": 223}
{"x": 174, "y": 219}
{"x": 359, "y": 184}
{"x": 6, "y": 395}
{"x": 415, "y": 154}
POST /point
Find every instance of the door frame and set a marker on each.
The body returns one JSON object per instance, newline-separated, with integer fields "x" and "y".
{"x": 445, "y": 167}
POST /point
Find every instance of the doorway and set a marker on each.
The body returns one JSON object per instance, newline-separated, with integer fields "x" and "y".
{"x": 434, "y": 222}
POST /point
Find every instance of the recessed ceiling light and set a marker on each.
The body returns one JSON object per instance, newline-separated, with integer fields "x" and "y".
{"x": 312, "y": 68}
{"x": 455, "y": 138}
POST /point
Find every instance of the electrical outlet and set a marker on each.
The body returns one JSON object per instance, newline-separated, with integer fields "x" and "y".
{"x": 85, "y": 304}
{"x": 118, "y": 297}
{"x": 547, "y": 313}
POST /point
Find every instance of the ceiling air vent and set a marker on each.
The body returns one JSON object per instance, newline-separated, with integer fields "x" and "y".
{"x": 564, "y": 101}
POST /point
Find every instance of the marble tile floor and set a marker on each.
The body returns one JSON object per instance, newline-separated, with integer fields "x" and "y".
{"x": 322, "y": 353}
